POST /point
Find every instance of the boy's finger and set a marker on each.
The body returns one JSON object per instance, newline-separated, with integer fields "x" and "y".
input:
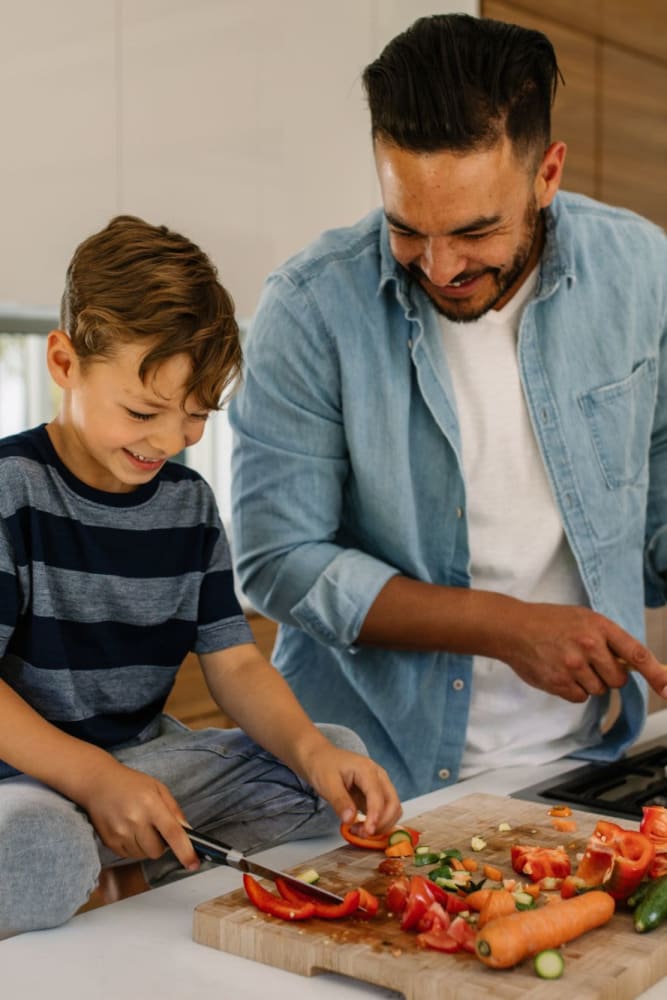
{"x": 174, "y": 834}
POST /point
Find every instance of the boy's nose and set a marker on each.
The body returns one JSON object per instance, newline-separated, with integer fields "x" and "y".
{"x": 167, "y": 442}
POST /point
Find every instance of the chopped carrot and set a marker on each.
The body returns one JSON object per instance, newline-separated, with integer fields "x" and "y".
{"x": 564, "y": 825}
{"x": 532, "y": 889}
{"x": 559, "y": 811}
{"x": 490, "y": 871}
{"x": 470, "y": 864}
{"x": 457, "y": 865}
{"x": 478, "y": 898}
{"x": 508, "y": 940}
{"x": 499, "y": 903}
{"x": 402, "y": 849}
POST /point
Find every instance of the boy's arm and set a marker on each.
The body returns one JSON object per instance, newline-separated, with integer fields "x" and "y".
{"x": 247, "y": 687}
{"x": 133, "y": 813}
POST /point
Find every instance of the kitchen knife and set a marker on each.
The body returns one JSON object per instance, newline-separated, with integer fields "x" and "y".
{"x": 214, "y": 850}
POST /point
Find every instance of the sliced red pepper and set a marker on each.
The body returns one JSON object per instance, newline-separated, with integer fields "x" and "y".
{"x": 540, "y": 862}
{"x": 377, "y": 842}
{"x": 615, "y": 860}
{"x": 277, "y": 907}
{"x": 654, "y": 826}
{"x": 368, "y": 903}
{"x": 328, "y": 911}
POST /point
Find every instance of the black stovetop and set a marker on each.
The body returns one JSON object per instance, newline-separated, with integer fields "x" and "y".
{"x": 618, "y": 789}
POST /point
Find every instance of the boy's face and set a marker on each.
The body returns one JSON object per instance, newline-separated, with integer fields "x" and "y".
{"x": 113, "y": 431}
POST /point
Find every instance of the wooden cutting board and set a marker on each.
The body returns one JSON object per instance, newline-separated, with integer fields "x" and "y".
{"x": 609, "y": 963}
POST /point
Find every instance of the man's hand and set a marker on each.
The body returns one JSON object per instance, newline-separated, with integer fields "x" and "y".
{"x": 352, "y": 783}
{"x": 135, "y": 815}
{"x": 574, "y": 652}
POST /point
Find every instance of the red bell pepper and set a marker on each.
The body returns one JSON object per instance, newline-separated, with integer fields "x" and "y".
{"x": 654, "y": 826}
{"x": 615, "y": 860}
{"x": 328, "y": 911}
{"x": 378, "y": 841}
{"x": 277, "y": 907}
{"x": 540, "y": 862}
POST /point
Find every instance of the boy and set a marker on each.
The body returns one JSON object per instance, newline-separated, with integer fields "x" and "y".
{"x": 113, "y": 566}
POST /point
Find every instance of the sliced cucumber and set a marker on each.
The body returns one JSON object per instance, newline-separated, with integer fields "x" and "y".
{"x": 398, "y": 836}
{"x": 524, "y": 900}
{"x": 426, "y": 859}
{"x": 549, "y": 964}
{"x": 309, "y": 875}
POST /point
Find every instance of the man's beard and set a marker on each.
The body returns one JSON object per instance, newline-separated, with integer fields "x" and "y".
{"x": 462, "y": 311}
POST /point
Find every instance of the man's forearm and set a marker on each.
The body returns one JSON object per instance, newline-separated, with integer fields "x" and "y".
{"x": 409, "y": 614}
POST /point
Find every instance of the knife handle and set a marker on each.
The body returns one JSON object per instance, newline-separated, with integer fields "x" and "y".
{"x": 210, "y": 849}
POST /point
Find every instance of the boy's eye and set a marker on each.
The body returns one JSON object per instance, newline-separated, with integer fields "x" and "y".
{"x": 140, "y": 416}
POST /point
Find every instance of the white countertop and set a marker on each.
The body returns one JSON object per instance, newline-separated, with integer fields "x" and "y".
{"x": 142, "y": 947}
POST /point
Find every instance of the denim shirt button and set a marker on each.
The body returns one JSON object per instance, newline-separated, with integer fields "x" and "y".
{"x": 444, "y": 773}
{"x": 458, "y": 684}
{"x": 459, "y": 511}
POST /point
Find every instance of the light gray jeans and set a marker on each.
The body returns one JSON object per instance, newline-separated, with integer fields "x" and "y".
{"x": 228, "y": 786}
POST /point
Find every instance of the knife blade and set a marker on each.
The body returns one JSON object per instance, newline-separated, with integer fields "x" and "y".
{"x": 210, "y": 849}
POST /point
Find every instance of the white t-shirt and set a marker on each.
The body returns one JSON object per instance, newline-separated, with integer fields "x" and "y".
{"x": 517, "y": 542}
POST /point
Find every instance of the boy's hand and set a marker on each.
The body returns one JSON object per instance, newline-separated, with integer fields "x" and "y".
{"x": 352, "y": 783}
{"x": 135, "y": 815}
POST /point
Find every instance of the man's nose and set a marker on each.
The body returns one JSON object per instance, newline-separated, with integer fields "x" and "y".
{"x": 441, "y": 261}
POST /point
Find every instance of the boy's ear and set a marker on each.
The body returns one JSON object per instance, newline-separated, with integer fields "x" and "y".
{"x": 61, "y": 359}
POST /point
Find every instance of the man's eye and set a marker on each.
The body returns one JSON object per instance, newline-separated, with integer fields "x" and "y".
{"x": 139, "y": 416}
{"x": 404, "y": 234}
{"x": 477, "y": 236}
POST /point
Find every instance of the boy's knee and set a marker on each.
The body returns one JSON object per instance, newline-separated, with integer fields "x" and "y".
{"x": 49, "y": 864}
{"x": 342, "y": 737}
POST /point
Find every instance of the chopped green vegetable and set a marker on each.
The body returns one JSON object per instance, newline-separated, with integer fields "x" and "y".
{"x": 523, "y": 900}
{"x": 399, "y": 835}
{"x": 309, "y": 875}
{"x": 452, "y": 852}
{"x": 549, "y": 964}
{"x": 426, "y": 859}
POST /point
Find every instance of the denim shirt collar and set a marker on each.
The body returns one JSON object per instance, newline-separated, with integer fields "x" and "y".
{"x": 557, "y": 263}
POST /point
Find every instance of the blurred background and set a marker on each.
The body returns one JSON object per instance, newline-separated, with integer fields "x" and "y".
{"x": 242, "y": 123}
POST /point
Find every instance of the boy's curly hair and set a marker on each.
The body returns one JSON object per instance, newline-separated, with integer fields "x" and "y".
{"x": 134, "y": 281}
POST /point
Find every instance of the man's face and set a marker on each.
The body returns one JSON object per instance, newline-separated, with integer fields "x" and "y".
{"x": 467, "y": 226}
{"x": 115, "y": 432}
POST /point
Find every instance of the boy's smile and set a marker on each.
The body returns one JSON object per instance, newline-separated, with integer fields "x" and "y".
{"x": 115, "y": 432}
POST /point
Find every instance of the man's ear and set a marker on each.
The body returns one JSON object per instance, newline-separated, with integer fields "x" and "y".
{"x": 61, "y": 359}
{"x": 550, "y": 173}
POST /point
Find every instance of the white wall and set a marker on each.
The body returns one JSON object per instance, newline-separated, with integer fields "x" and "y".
{"x": 240, "y": 122}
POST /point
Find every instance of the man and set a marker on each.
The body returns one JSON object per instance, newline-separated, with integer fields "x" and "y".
{"x": 449, "y": 483}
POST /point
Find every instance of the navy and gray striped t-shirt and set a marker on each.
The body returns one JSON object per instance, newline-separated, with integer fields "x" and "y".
{"x": 102, "y": 595}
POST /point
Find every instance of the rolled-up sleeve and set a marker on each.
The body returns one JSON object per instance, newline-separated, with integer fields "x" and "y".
{"x": 289, "y": 470}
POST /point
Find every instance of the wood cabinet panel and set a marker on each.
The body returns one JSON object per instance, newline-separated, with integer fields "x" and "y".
{"x": 631, "y": 24}
{"x": 640, "y": 25}
{"x": 574, "y": 110}
{"x": 585, "y": 17}
{"x": 634, "y": 133}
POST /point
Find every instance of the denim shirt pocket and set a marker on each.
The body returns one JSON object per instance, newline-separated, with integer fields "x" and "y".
{"x": 620, "y": 417}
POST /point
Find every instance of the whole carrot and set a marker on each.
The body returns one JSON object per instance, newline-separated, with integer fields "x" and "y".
{"x": 506, "y": 941}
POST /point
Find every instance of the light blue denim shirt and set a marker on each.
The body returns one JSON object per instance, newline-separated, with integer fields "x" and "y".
{"x": 347, "y": 464}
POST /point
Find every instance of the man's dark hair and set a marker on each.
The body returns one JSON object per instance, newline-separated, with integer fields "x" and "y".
{"x": 457, "y": 82}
